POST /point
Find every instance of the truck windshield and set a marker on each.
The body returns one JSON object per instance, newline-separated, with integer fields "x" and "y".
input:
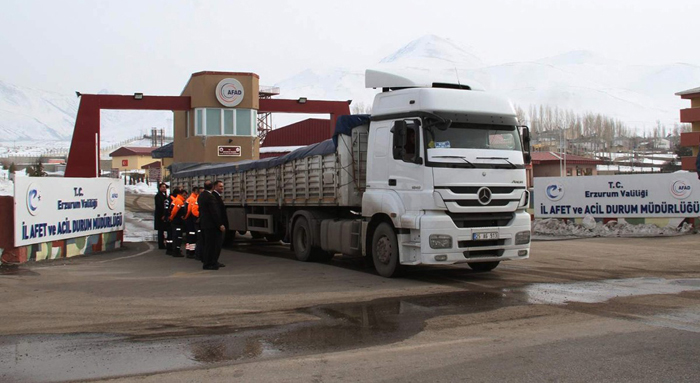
{"x": 462, "y": 135}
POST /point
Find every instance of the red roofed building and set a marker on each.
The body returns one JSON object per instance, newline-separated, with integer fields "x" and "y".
{"x": 551, "y": 164}
{"x": 131, "y": 158}
{"x": 288, "y": 138}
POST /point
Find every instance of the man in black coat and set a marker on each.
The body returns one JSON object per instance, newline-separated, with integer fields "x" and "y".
{"x": 159, "y": 219}
{"x": 214, "y": 223}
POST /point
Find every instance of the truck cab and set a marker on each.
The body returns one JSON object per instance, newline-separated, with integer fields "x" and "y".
{"x": 446, "y": 174}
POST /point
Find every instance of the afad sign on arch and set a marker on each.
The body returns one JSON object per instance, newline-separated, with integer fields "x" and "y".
{"x": 230, "y": 92}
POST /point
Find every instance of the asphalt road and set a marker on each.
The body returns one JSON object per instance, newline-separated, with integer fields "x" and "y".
{"x": 607, "y": 309}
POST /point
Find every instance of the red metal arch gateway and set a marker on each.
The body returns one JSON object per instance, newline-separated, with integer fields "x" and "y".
{"x": 83, "y": 159}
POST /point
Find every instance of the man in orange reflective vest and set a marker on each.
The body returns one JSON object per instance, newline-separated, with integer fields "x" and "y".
{"x": 177, "y": 220}
{"x": 190, "y": 223}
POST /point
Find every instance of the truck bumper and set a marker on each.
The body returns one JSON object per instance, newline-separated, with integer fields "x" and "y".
{"x": 415, "y": 247}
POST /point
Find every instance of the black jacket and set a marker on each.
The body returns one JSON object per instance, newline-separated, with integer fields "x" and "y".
{"x": 221, "y": 208}
{"x": 212, "y": 214}
{"x": 159, "y": 212}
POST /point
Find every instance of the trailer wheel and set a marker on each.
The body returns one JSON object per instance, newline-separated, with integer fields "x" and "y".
{"x": 385, "y": 251}
{"x": 483, "y": 266}
{"x": 301, "y": 237}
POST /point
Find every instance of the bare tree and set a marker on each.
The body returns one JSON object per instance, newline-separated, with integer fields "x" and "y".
{"x": 360, "y": 108}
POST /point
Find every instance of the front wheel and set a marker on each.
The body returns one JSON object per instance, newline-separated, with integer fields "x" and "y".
{"x": 483, "y": 266}
{"x": 385, "y": 251}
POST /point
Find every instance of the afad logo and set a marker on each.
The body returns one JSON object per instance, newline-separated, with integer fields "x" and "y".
{"x": 33, "y": 199}
{"x": 229, "y": 92}
{"x": 554, "y": 192}
{"x": 112, "y": 196}
{"x": 681, "y": 189}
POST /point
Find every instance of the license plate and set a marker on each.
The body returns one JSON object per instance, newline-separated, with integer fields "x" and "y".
{"x": 485, "y": 236}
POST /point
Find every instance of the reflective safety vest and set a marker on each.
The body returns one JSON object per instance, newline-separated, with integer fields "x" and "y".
{"x": 192, "y": 207}
{"x": 175, "y": 206}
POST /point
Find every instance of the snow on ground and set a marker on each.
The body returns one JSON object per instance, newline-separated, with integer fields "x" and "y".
{"x": 551, "y": 227}
{"x": 142, "y": 188}
{"x": 627, "y": 169}
{"x": 138, "y": 227}
{"x": 7, "y": 187}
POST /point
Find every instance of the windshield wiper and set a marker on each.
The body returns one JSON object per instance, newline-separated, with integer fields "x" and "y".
{"x": 460, "y": 157}
{"x": 512, "y": 166}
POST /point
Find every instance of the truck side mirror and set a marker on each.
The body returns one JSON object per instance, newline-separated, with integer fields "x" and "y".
{"x": 399, "y": 141}
{"x": 526, "y": 144}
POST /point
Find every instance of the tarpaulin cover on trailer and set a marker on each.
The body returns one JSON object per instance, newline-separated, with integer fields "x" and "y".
{"x": 344, "y": 126}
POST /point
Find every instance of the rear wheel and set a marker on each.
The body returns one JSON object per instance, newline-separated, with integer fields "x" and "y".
{"x": 385, "y": 251}
{"x": 483, "y": 266}
{"x": 301, "y": 238}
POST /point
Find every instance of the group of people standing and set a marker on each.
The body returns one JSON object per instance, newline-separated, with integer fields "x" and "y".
{"x": 199, "y": 217}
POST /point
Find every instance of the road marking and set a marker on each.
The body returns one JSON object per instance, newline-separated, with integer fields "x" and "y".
{"x": 150, "y": 247}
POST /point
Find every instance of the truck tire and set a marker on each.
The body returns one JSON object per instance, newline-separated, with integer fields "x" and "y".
{"x": 483, "y": 266}
{"x": 301, "y": 238}
{"x": 385, "y": 251}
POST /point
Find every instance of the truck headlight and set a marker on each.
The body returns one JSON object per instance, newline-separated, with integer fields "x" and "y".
{"x": 522, "y": 238}
{"x": 439, "y": 241}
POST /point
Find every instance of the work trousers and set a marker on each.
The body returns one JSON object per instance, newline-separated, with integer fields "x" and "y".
{"x": 161, "y": 238}
{"x": 176, "y": 231}
{"x": 168, "y": 238}
{"x": 190, "y": 237}
{"x": 199, "y": 246}
{"x": 213, "y": 240}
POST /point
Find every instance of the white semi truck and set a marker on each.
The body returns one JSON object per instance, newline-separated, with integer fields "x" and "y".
{"x": 436, "y": 175}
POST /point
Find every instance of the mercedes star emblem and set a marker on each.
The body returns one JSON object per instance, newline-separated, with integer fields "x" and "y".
{"x": 484, "y": 195}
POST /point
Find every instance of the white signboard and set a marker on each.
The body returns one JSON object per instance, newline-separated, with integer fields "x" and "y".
{"x": 51, "y": 209}
{"x": 624, "y": 196}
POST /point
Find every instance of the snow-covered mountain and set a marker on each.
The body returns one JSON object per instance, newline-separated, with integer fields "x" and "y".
{"x": 582, "y": 81}
{"x": 30, "y": 116}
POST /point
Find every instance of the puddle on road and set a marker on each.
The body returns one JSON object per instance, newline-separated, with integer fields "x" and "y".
{"x": 33, "y": 358}
{"x": 601, "y": 291}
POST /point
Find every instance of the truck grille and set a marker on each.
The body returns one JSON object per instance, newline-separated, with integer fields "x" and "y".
{"x": 475, "y": 189}
{"x": 470, "y": 220}
{"x": 476, "y": 203}
{"x": 483, "y": 253}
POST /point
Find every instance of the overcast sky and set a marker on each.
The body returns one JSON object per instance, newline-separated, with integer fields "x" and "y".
{"x": 152, "y": 46}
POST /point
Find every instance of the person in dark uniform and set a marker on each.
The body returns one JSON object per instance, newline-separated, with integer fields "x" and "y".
{"x": 213, "y": 220}
{"x": 191, "y": 225}
{"x": 178, "y": 210}
{"x": 159, "y": 220}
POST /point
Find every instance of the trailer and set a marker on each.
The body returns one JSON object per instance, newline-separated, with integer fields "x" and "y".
{"x": 436, "y": 175}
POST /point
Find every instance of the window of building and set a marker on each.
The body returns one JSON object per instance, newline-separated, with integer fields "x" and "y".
{"x": 225, "y": 122}
{"x": 199, "y": 121}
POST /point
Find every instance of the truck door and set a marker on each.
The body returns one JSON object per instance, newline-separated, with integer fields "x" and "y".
{"x": 405, "y": 172}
